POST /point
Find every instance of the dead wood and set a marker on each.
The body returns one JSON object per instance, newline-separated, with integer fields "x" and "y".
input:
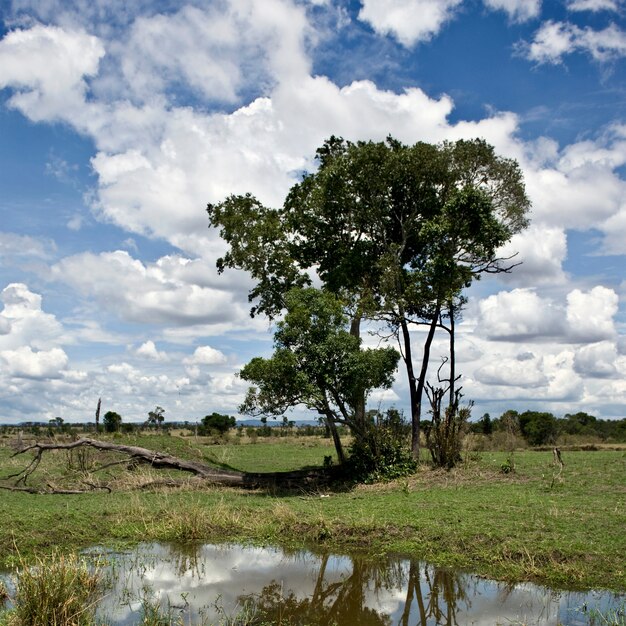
{"x": 203, "y": 473}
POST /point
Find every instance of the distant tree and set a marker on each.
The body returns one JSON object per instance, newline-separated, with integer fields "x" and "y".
{"x": 486, "y": 424}
{"x": 538, "y": 428}
{"x": 156, "y": 417}
{"x": 578, "y": 424}
{"x": 57, "y": 424}
{"x": 216, "y": 422}
{"x": 112, "y": 421}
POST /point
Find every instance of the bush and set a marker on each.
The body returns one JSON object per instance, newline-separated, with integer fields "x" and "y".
{"x": 383, "y": 451}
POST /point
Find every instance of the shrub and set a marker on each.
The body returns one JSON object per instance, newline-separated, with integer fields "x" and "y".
{"x": 382, "y": 452}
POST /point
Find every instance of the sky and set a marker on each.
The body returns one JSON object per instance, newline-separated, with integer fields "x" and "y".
{"x": 120, "y": 121}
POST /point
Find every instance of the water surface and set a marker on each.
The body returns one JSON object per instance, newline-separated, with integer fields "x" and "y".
{"x": 207, "y": 583}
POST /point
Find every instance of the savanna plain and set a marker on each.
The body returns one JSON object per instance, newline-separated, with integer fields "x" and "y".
{"x": 514, "y": 515}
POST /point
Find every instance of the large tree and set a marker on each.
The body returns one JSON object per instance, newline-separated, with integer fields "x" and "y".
{"x": 398, "y": 231}
{"x": 319, "y": 364}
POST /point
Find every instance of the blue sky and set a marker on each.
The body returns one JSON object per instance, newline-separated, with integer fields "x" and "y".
{"x": 120, "y": 121}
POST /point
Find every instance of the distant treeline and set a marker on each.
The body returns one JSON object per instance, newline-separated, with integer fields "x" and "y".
{"x": 540, "y": 428}
{"x": 537, "y": 428}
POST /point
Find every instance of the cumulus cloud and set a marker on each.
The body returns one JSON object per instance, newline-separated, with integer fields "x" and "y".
{"x": 597, "y": 360}
{"x": 590, "y": 314}
{"x": 25, "y": 322}
{"x": 148, "y": 350}
{"x": 517, "y": 10}
{"x": 13, "y": 245}
{"x": 146, "y": 293}
{"x": 206, "y": 355}
{"x": 510, "y": 375}
{"x": 519, "y": 314}
{"x": 409, "y": 21}
{"x": 540, "y": 250}
{"x": 216, "y": 51}
{"x": 24, "y": 362}
{"x": 579, "y": 186}
{"x": 47, "y": 66}
{"x": 554, "y": 40}
{"x": 512, "y": 372}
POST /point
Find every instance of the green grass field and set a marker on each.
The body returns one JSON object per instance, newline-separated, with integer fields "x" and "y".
{"x": 566, "y": 530}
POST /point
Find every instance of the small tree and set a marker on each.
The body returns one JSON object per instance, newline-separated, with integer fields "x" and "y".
{"x": 216, "y": 422}
{"x": 156, "y": 417}
{"x": 112, "y": 421}
{"x": 318, "y": 363}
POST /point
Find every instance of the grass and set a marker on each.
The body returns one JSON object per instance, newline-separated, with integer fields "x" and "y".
{"x": 56, "y": 590}
{"x": 566, "y": 532}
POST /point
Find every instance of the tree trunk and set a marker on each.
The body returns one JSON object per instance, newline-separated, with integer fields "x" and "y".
{"x": 452, "y": 357}
{"x": 421, "y": 383}
{"x": 202, "y": 471}
{"x": 415, "y": 409}
{"x": 359, "y": 403}
{"x": 336, "y": 439}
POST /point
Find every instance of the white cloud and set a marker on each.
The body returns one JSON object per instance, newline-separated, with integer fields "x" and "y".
{"x": 47, "y": 65}
{"x": 216, "y": 51}
{"x": 26, "y": 363}
{"x": 409, "y": 21}
{"x": 510, "y": 376}
{"x": 206, "y": 355}
{"x": 579, "y": 187}
{"x": 597, "y": 360}
{"x": 517, "y": 10}
{"x": 541, "y": 251}
{"x": 5, "y": 325}
{"x": 12, "y": 245}
{"x": 146, "y": 293}
{"x": 512, "y": 372}
{"x": 148, "y": 350}
{"x": 593, "y": 5}
{"x": 519, "y": 315}
{"x": 590, "y": 314}
{"x": 554, "y": 40}
{"x": 25, "y": 321}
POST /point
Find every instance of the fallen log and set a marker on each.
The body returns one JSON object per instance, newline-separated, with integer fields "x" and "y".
{"x": 208, "y": 474}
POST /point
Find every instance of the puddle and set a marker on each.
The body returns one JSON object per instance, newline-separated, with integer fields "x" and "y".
{"x": 208, "y": 584}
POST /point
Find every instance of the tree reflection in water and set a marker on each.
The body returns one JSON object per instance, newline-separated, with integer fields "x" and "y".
{"x": 432, "y": 596}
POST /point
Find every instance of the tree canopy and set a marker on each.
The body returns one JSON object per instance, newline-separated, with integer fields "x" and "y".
{"x": 396, "y": 231}
{"x": 317, "y": 363}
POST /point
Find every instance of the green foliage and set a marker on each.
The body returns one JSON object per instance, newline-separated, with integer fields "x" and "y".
{"x": 398, "y": 231}
{"x": 216, "y": 422}
{"x": 383, "y": 451}
{"x": 316, "y": 363}
{"x": 112, "y": 422}
{"x": 538, "y": 428}
{"x": 508, "y": 465}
